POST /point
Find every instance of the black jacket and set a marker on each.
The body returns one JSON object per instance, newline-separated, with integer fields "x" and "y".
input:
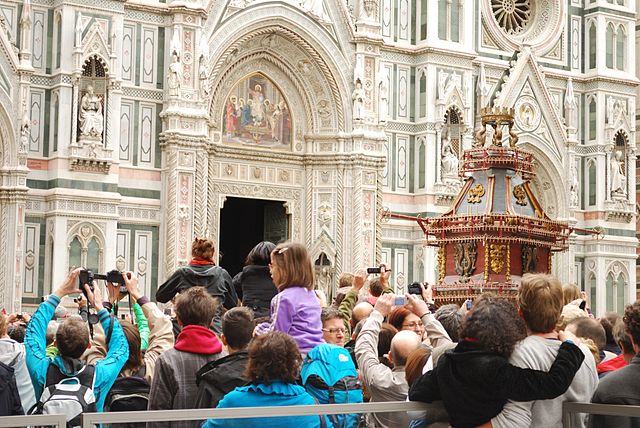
{"x": 217, "y": 378}
{"x": 256, "y": 289}
{"x": 475, "y": 384}
{"x": 10, "y": 404}
{"x": 215, "y": 279}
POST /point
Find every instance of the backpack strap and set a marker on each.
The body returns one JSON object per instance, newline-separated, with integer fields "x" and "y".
{"x": 85, "y": 376}
{"x": 323, "y": 420}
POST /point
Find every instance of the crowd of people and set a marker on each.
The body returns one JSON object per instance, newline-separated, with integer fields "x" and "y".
{"x": 267, "y": 338}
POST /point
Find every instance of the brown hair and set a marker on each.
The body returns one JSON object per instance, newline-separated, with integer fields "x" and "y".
{"x": 631, "y": 320}
{"x": 385, "y": 336}
{"x": 203, "y": 248}
{"x": 133, "y": 338}
{"x": 397, "y": 316}
{"x": 570, "y": 292}
{"x": 622, "y": 338}
{"x": 375, "y": 287}
{"x": 195, "y": 306}
{"x": 541, "y": 301}
{"x": 329, "y": 313}
{"x": 346, "y": 280}
{"x": 294, "y": 265}
{"x": 237, "y": 327}
{"x": 590, "y": 329}
{"x": 262, "y": 367}
{"x": 415, "y": 363}
{"x": 72, "y": 337}
{"x": 4, "y": 323}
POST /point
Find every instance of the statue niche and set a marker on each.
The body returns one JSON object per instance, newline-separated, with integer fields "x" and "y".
{"x": 91, "y": 102}
{"x": 256, "y": 113}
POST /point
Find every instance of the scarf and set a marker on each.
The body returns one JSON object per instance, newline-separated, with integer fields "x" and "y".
{"x": 200, "y": 262}
{"x": 198, "y": 340}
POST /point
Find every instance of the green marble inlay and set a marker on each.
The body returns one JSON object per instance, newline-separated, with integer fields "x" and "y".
{"x": 155, "y": 245}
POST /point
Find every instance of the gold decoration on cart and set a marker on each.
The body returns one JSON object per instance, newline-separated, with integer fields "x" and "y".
{"x": 475, "y": 194}
{"x": 497, "y": 252}
{"x": 520, "y": 195}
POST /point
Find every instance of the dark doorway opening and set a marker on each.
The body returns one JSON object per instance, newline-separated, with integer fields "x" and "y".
{"x": 245, "y": 222}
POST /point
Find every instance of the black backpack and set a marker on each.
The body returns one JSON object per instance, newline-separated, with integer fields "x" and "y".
{"x": 128, "y": 393}
{"x": 67, "y": 395}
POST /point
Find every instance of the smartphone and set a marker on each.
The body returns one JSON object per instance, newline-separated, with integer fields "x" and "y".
{"x": 122, "y": 316}
{"x": 400, "y": 301}
{"x": 167, "y": 311}
{"x": 583, "y": 305}
{"x": 469, "y": 304}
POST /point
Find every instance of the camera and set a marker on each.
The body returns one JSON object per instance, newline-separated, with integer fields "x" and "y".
{"x": 113, "y": 276}
{"x": 377, "y": 269}
{"x": 19, "y": 316}
{"x": 400, "y": 301}
{"x": 414, "y": 288}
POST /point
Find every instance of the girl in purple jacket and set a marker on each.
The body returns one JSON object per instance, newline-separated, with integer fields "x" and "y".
{"x": 295, "y": 310}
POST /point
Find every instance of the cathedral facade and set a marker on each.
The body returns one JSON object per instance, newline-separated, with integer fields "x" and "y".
{"x": 129, "y": 127}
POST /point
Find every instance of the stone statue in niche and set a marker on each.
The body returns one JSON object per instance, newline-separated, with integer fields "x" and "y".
{"x": 618, "y": 179}
{"x": 383, "y": 94}
{"x": 174, "y": 77}
{"x": 465, "y": 259}
{"x": 574, "y": 188}
{"x": 449, "y": 161}
{"x": 24, "y": 133}
{"x": 91, "y": 119}
{"x": 358, "y": 100}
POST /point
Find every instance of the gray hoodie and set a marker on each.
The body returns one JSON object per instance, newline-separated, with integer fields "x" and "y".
{"x": 12, "y": 354}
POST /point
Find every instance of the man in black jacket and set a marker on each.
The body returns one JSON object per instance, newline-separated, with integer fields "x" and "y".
{"x": 219, "y": 377}
{"x": 201, "y": 272}
{"x": 10, "y": 404}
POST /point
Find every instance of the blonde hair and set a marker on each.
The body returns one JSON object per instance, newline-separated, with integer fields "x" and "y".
{"x": 569, "y": 313}
{"x": 570, "y": 292}
{"x": 294, "y": 265}
{"x": 592, "y": 348}
{"x": 540, "y": 300}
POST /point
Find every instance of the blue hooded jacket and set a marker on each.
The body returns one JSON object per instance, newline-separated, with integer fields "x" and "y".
{"x": 107, "y": 370}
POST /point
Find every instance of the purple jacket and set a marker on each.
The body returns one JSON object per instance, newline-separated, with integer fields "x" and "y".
{"x": 296, "y": 311}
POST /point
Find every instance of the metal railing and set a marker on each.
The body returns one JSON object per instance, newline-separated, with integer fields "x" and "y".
{"x": 568, "y": 408}
{"x": 91, "y": 419}
{"x": 59, "y": 421}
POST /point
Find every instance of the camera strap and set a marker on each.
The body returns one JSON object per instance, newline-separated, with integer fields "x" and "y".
{"x": 111, "y": 321}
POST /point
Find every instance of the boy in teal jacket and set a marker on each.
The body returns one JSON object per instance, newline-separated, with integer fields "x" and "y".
{"x": 72, "y": 340}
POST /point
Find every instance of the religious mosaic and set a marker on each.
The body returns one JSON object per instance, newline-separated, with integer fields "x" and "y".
{"x": 257, "y": 113}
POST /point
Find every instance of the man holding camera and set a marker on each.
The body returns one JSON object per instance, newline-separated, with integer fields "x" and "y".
{"x": 72, "y": 339}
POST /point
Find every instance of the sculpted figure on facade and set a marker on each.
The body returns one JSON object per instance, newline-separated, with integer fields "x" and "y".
{"x": 358, "y": 100}
{"x": 91, "y": 119}
{"x": 315, "y": 8}
{"x": 449, "y": 161}
{"x": 383, "y": 94}
{"x": 24, "y": 133}
{"x": 574, "y": 188}
{"x": 174, "y": 77}
{"x": 618, "y": 178}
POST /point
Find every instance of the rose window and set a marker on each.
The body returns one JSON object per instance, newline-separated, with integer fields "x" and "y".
{"x": 512, "y": 15}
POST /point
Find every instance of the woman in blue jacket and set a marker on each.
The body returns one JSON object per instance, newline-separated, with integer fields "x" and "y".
{"x": 272, "y": 383}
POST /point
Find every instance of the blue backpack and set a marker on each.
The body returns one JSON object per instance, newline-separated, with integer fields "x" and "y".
{"x": 330, "y": 376}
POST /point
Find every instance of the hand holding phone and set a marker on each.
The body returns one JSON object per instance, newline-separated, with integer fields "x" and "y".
{"x": 400, "y": 301}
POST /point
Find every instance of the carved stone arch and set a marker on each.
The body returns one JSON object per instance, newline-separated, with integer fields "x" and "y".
{"x": 277, "y": 72}
{"x": 621, "y": 136}
{"x": 319, "y": 53}
{"x": 85, "y": 231}
{"x": 458, "y": 110}
{"x": 95, "y": 44}
{"x": 99, "y": 59}
{"x": 618, "y": 270}
{"x": 549, "y": 173}
{"x": 8, "y": 147}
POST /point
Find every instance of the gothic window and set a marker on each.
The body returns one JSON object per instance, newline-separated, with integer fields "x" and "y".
{"x": 592, "y": 118}
{"x": 423, "y": 19}
{"x": 609, "y": 287}
{"x": 86, "y": 249}
{"x": 452, "y": 130}
{"x": 592, "y": 182}
{"x": 592, "y": 45}
{"x": 449, "y": 20}
{"x": 615, "y": 46}
{"x": 423, "y": 95}
{"x": 620, "y": 47}
{"x": 422, "y": 167}
{"x": 591, "y": 290}
{"x": 620, "y": 291}
{"x": 512, "y": 16}
{"x": 609, "y": 45}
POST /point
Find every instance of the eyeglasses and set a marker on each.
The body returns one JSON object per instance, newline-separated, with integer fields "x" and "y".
{"x": 413, "y": 324}
{"x": 334, "y": 330}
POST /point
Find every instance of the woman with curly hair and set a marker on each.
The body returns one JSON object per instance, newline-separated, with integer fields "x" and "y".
{"x": 273, "y": 367}
{"x": 475, "y": 379}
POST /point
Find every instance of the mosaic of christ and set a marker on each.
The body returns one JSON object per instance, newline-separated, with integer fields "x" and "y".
{"x": 256, "y": 113}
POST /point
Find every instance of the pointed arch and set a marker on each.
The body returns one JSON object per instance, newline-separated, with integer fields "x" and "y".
{"x": 621, "y": 42}
{"x": 592, "y": 44}
{"x": 609, "y": 45}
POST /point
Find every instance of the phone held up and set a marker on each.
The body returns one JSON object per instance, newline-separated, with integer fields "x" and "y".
{"x": 400, "y": 301}
{"x": 377, "y": 269}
